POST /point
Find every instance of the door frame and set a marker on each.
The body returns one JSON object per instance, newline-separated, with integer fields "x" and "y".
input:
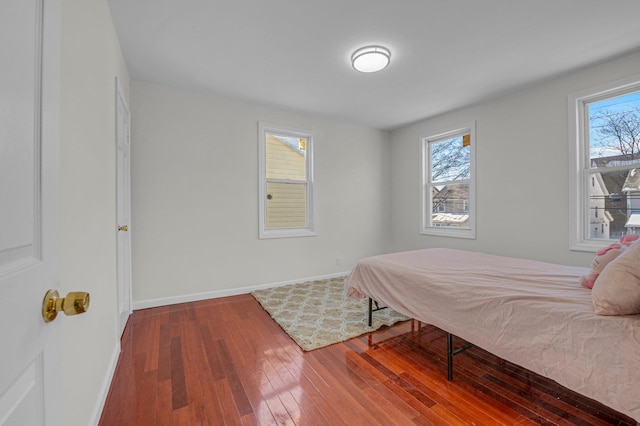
{"x": 123, "y": 203}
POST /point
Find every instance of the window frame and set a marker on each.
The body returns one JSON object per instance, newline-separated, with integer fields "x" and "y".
{"x": 426, "y": 199}
{"x": 579, "y": 159}
{"x": 310, "y": 229}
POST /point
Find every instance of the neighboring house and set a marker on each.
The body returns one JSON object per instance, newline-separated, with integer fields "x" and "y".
{"x": 599, "y": 217}
{"x": 631, "y": 188}
{"x": 286, "y": 200}
{"x": 450, "y": 206}
{"x": 620, "y": 194}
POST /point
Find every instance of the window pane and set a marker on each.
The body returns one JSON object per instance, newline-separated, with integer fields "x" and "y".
{"x": 450, "y": 206}
{"x": 286, "y": 157}
{"x": 286, "y": 205}
{"x": 450, "y": 159}
{"x": 614, "y": 204}
{"x": 614, "y": 131}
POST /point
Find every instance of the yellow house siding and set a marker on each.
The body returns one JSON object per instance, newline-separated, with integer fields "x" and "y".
{"x": 288, "y": 206}
{"x": 283, "y": 162}
{"x": 286, "y": 201}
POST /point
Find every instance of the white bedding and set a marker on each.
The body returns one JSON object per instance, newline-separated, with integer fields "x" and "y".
{"x": 531, "y": 313}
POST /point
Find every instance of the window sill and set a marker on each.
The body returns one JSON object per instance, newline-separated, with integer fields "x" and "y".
{"x": 590, "y": 246}
{"x": 451, "y": 233}
{"x": 286, "y": 233}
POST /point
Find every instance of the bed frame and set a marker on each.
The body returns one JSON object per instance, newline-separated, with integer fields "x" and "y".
{"x": 533, "y": 314}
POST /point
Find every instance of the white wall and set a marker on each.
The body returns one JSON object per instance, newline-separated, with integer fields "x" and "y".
{"x": 522, "y": 170}
{"x": 90, "y": 59}
{"x": 195, "y": 196}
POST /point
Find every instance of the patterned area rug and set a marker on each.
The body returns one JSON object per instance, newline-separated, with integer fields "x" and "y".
{"x": 317, "y": 313}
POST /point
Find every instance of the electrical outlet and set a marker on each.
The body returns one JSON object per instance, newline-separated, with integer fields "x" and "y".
{"x": 338, "y": 261}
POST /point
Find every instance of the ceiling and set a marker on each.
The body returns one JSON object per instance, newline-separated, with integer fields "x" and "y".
{"x": 295, "y": 54}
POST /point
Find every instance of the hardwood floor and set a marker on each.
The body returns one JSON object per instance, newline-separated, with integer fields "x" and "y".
{"x": 225, "y": 361}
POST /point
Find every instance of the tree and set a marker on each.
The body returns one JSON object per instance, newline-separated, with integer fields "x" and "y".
{"x": 620, "y": 131}
{"x": 450, "y": 160}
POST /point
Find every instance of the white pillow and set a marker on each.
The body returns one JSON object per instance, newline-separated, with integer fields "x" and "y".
{"x": 617, "y": 289}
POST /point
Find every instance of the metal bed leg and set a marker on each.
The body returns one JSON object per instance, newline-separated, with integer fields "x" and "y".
{"x": 372, "y": 310}
{"x": 449, "y": 357}
{"x": 451, "y": 353}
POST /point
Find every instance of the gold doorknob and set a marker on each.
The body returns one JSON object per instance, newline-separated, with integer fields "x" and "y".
{"x": 123, "y": 228}
{"x": 75, "y": 302}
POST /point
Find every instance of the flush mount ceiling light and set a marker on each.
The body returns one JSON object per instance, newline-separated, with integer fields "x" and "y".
{"x": 371, "y": 58}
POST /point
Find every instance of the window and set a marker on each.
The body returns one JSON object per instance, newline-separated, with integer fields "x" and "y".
{"x": 286, "y": 187}
{"x": 604, "y": 141}
{"x": 448, "y": 183}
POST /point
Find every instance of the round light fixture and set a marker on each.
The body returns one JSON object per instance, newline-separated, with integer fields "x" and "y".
{"x": 371, "y": 58}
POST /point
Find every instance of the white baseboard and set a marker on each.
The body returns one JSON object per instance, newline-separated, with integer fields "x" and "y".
{"x": 106, "y": 384}
{"x": 154, "y": 303}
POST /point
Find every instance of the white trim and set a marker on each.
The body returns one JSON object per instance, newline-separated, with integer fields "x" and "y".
{"x": 425, "y": 226}
{"x": 310, "y": 229}
{"x": 193, "y": 297}
{"x": 579, "y": 160}
{"x": 106, "y": 385}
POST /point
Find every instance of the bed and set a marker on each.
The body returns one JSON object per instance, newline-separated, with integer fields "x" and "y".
{"x": 532, "y": 313}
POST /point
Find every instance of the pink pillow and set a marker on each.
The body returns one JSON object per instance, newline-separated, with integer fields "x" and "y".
{"x": 617, "y": 289}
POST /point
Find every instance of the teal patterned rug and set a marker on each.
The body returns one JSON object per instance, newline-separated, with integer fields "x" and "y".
{"x": 317, "y": 313}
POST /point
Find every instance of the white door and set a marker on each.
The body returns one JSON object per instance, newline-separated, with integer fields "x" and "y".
{"x": 30, "y": 387}
{"x": 123, "y": 173}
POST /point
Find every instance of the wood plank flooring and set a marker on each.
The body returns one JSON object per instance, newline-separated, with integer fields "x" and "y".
{"x": 226, "y": 362}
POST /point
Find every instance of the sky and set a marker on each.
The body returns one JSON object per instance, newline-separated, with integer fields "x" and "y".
{"x": 612, "y": 106}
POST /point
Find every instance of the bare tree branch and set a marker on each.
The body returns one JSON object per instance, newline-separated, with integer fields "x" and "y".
{"x": 620, "y": 131}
